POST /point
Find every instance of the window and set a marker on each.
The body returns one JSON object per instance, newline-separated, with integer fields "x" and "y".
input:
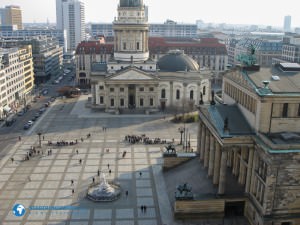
{"x": 204, "y": 90}
{"x": 122, "y": 89}
{"x": 163, "y": 93}
{"x": 112, "y": 102}
{"x": 285, "y": 110}
{"x": 122, "y": 102}
{"x": 299, "y": 110}
{"x": 191, "y": 95}
{"x": 141, "y": 89}
{"x": 177, "y": 94}
{"x": 111, "y": 89}
{"x": 151, "y": 89}
{"x": 141, "y": 102}
{"x": 101, "y": 87}
{"x": 124, "y": 46}
{"x": 101, "y": 99}
{"x": 151, "y": 102}
{"x": 138, "y": 46}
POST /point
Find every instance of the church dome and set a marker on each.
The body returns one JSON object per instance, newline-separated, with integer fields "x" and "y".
{"x": 176, "y": 61}
{"x": 131, "y": 3}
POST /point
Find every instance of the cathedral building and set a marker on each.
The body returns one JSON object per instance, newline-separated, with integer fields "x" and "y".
{"x": 130, "y": 79}
{"x": 253, "y": 138}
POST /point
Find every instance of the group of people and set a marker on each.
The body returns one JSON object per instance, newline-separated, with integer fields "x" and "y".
{"x": 63, "y": 143}
{"x": 133, "y": 139}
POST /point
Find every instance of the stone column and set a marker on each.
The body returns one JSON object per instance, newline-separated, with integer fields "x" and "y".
{"x": 206, "y": 149}
{"x": 253, "y": 178}
{"x": 234, "y": 162}
{"x": 223, "y": 167}
{"x": 242, "y": 173}
{"x": 217, "y": 164}
{"x": 202, "y": 147}
{"x": 211, "y": 155}
{"x": 249, "y": 170}
{"x": 200, "y": 125}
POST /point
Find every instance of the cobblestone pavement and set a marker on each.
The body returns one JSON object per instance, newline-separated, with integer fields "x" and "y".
{"x": 45, "y": 180}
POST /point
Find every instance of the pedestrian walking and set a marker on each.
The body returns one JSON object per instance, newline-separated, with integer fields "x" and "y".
{"x": 140, "y": 174}
{"x": 126, "y": 193}
{"x": 98, "y": 172}
{"x": 12, "y": 160}
{"x": 19, "y": 138}
{"x": 109, "y": 171}
{"x": 72, "y": 182}
{"x": 73, "y": 191}
{"x": 93, "y": 180}
{"x": 107, "y": 165}
{"x": 77, "y": 151}
{"x": 80, "y": 161}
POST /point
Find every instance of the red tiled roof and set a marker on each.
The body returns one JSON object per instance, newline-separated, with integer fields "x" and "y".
{"x": 160, "y": 44}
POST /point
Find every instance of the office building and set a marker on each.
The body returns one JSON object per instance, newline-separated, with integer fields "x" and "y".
{"x": 70, "y": 17}
{"x": 11, "y": 15}
{"x": 60, "y": 35}
{"x": 16, "y": 78}
{"x": 287, "y": 24}
{"x": 47, "y": 55}
{"x": 168, "y": 29}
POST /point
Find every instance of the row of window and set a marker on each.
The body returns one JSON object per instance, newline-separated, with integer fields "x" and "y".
{"x": 141, "y": 89}
{"x": 286, "y": 110}
{"x": 163, "y": 93}
{"x": 122, "y": 102}
{"x": 240, "y": 97}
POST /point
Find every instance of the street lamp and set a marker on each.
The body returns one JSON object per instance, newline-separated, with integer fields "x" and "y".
{"x": 181, "y": 130}
{"x": 40, "y": 141}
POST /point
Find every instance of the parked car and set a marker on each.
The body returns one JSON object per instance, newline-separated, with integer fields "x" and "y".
{"x": 36, "y": 115}
{"x": 21, "y": 113}
{"x": 26, "y": 126}
{"x": 42, "y": 110}
{"x": 30, "y": 122}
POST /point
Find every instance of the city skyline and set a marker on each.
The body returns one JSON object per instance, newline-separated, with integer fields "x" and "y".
{"x": 212, "y": 12}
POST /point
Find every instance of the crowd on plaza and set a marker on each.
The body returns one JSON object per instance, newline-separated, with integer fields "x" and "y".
{"x": 137, "y": 139}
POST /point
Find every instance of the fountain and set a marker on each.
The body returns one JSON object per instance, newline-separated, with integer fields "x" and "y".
{"x": 104, "y": 192}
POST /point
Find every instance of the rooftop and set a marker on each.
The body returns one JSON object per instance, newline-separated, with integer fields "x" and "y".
{"x": 287, "y": 79}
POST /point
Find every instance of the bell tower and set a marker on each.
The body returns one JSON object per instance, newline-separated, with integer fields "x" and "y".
{"x": 131, "y": 30}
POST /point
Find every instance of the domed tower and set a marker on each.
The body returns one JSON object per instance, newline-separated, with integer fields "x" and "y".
{"x": 131, "y": 32}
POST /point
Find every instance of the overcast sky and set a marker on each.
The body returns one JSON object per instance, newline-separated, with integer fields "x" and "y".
{"x": 261, "y": 12}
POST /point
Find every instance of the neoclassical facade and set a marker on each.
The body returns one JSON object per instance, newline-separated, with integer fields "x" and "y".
{"x": 131, "y": 80}
{"x": 253, "y": 135}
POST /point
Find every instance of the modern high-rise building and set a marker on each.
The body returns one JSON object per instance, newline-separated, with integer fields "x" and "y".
{"x": 287, "y": 23}
{"x": 70, "y": 17}
{"x": 11, "y": 15}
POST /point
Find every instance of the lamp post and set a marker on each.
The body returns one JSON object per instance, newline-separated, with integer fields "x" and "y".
{"x": 40, "y": 141}
{"x": 181, "y": 130}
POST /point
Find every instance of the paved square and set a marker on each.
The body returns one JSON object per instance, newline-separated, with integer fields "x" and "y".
{"x": 45, "y": 180}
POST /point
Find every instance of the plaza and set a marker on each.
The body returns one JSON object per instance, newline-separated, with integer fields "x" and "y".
{"x": 45, "y": 180}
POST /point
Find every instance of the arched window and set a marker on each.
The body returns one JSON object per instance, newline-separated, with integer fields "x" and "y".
{"x": 191, "y": 95}
{"x": 82, "y": 75}
{"x": 177, "y": 94}
{"x": 163, "y": 93}
{"x": 204, "y": 90}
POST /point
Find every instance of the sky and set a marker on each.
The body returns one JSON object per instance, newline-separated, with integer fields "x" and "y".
{"x": 259, "y": 12}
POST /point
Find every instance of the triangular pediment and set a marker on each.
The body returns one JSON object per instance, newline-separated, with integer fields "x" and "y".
{"x": 132, "y": 74}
